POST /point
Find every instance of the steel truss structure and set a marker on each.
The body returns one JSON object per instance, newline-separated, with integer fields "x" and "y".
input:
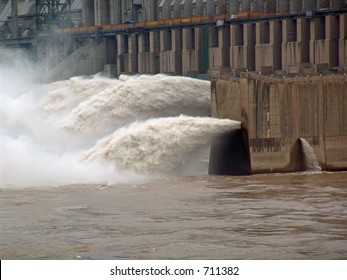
{"x": 52, "y": 14}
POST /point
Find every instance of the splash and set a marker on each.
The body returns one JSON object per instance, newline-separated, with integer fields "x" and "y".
{"x": 159, "y": 145}
{"x": 311, "y": 163}
{"x": 94, "y": 129}
{"x": 65, "y": 95}
{"x": 138, "y": 98}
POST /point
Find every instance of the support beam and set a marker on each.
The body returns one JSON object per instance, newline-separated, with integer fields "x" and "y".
{"x": 14, "y": 15}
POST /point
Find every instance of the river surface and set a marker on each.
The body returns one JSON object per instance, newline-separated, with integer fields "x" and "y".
{"x": 272, "y": 216}
{"x": 98, "y": 168}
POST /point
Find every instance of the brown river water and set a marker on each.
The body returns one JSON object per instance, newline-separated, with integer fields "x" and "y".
{"x": 148, "y": 138}
{"x": 270, "y": 216}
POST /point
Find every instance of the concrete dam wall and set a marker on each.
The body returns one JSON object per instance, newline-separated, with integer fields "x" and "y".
{"x": 278, "y": 116}
{"x": 288, "y": 123}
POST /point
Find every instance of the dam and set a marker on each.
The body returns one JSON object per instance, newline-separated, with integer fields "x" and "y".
{"x": 190, "y": 38}
{"x": 278, "y": 67}
{"x": 277, "y": 112}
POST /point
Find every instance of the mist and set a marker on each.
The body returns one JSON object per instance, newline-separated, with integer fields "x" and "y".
{"x": 93, "y": 130}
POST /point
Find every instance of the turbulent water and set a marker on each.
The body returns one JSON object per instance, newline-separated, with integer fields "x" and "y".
{"x": 274, "y": 216}
{"x": 310, "y": 159}
{"x": 94, "y": 129}
{"x": 96, "y": 168}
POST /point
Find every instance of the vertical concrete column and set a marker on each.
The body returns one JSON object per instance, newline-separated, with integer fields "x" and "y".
{"x": 224, "y": 44}
{"x": 111, "y": 50}
{"x": 343, "y": 41}
{"x": 318, "y": 54}
{"x": 148, "y": 52}
{"x": 165, "y": 41}
{"x": 332, "y": 36}
{"x": 276, "y": 41}
{"x": 171, "y": 51}
{"x": 143, "y": 44}
{"x": 110, "y": 69}
{"x": 14, "y": 19}
{"x": 259, "y": 26}
{"x": 133, "y": 53}
{"x": 102, "y": 12}
{"x": 213, "y": 48}
{"x": 122, "y": 54}
{"x": 188, "y": 39}
{"x": 249, "y": 45}
{"x": 263, "y": 50}
{"x": 295, "y": 44}
{"x": 313, "y": 39}
{"x": 120, "y": 61}
{"x": 88, "y": 14}
{"x": 242, "y": 47}
{"x": 188, "y": 51}
{"x": 237, "y": 55}
{"x": 177, "y": 51}
{"x": 143, "y": 50}
{"x": 154, "y": 47}
{"x": 288, "y": 28}
{"x": 303, "y": 35}
{"x": 268, "y": 46}
{"x": 192, "y": 51}
{"x": 290, "y": 47}
{"x": 202, "y": 49}
{"x": 219, "y": 52}
{"x": 121, "y": 45}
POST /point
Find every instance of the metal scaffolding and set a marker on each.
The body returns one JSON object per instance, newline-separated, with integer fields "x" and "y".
{"x": 51, "y": 14}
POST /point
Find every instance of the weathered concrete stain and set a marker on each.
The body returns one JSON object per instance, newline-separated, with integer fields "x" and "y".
{"x": 276, "y": 112}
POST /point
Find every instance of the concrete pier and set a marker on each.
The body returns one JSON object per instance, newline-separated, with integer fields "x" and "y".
{"x": 219, "y": 47}
{"x": 343, "y": 42}
{"x": 170, "y": 51}
{"x": 277, "y": 112}
{"x": 268, "y": 46}
{"x": 295, "y": 44}
{"x": 242, "y": 51}
{"x": 191, "y": 53}
{"x": 314, "y": 41}
{"x": 98, "y": 12}
{"x": 290, "y": 46}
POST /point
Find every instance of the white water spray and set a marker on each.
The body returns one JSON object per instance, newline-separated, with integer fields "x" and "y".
{"x": 310, "y": 160}
{"x": 92, "y": 130}
{"x": 138, "y": 98}
{"x": 159, "y": 145}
